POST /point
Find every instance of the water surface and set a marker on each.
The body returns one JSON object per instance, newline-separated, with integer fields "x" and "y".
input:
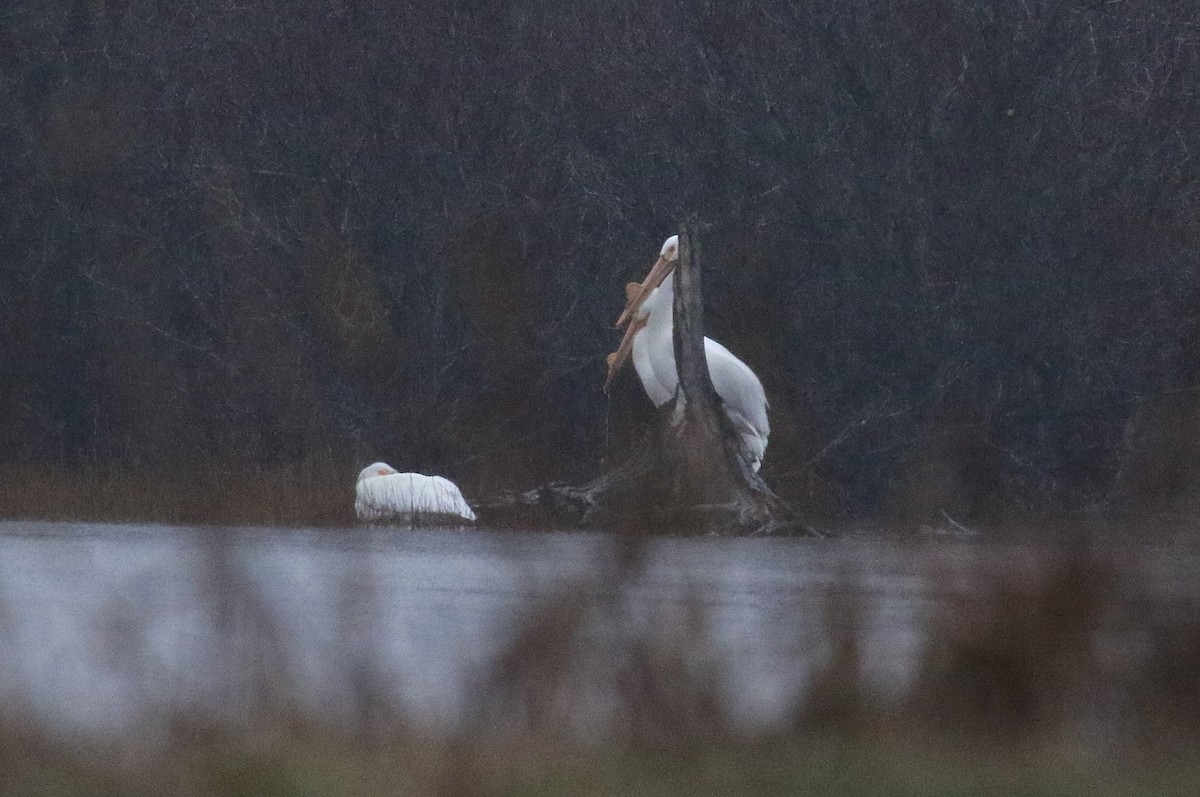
{"x": 105, "y": 625}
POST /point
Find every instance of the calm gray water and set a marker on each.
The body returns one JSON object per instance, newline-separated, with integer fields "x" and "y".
{"x": 103, "y": 626}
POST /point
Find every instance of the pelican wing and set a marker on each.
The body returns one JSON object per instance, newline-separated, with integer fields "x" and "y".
{"x": 410, "y": 497}
{"x": 738, "y": 387}
{"x": 743, "y": 397}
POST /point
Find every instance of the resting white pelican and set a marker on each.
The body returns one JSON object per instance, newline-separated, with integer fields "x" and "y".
{"x": 649, "y": 315}
{"x": 382, "y": 493}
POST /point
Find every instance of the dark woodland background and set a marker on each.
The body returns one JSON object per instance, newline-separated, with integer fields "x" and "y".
{"x": 955, "y": 239}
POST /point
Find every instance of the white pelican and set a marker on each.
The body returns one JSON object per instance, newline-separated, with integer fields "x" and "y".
{"x": 382, "y": 493}
{"x": 650, "y": 318}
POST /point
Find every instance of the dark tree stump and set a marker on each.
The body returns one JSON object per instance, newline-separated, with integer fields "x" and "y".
{"x": 690, "y": 478}
{"x": 713, "y": 486}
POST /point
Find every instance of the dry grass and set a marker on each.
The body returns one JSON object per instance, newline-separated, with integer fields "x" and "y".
{"x": 306, "y": 496}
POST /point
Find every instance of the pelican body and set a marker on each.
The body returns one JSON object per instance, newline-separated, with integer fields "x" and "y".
{"x": 383, "y": 494}
{"x": 649, "y": 338}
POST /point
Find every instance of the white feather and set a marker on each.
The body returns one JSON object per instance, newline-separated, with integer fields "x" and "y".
{"x": 382, "y": 493}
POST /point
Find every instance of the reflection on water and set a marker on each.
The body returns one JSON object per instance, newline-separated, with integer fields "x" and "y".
{"x": 106, "y": 625}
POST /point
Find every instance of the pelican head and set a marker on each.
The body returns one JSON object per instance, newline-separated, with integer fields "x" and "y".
{"x": 667, "y": 257}
{"x": 670, "y": 248}
{"x": 636, "y": 295}
{"x": 373, "y": 470}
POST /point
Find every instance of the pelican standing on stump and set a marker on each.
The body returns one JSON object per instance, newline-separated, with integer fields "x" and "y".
{"x": 382, "y": 494}
{"x": 649, "y": 323}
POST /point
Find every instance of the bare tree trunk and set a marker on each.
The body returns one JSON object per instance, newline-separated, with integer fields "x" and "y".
{"x": 714, "y": 488}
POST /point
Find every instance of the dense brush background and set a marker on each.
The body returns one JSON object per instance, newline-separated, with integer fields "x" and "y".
{"x": 956, "y": 239}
